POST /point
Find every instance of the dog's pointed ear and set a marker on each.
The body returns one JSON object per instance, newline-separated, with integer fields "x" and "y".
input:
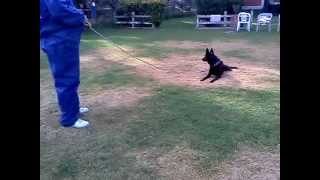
{"x": 211, "y": 51}
{"x": 207, "y": 51}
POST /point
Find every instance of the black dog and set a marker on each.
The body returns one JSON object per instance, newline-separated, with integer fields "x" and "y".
{"x": 217, "y": 67}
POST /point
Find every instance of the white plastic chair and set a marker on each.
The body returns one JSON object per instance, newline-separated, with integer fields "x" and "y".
{"x": 263, "y": 20}
{"x": 244, "y": 18}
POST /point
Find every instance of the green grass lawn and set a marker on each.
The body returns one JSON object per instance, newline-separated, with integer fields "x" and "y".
{"x": 211, "y": 121}
{"x": 172, "y": 30}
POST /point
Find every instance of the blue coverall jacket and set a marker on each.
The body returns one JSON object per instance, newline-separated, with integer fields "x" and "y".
{"x": 61, "y": 25}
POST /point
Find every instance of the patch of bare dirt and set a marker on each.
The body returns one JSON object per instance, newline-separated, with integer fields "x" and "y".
{"x": 111, "y": 108}
{"x": 183, "y": 163}
{"x": 112, "y": 98}
{"x": 179, "y": 163}
{"x": 47, "y": 97}
{"x": 106, "y": 111}
{"x": 249, "y": 164}
{"x": 269, "y": 54}
{"x": 217, "y": 45}
{"x": 187, "y": 70}
{"x": 102, "y": 58}
{"x": 184, "y": 44}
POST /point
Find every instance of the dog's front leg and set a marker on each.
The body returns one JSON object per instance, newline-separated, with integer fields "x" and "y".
{"x": 216, "y": 78}
{"x": 209, "y": 74}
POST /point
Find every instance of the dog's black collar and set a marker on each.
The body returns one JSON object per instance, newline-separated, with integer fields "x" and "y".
{"x": 217, "y": 63}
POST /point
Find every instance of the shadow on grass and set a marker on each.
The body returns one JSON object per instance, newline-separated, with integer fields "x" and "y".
{"x": 213, "y": 122}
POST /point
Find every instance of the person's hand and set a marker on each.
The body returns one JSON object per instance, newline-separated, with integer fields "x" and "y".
{"x": 87, "y": 22}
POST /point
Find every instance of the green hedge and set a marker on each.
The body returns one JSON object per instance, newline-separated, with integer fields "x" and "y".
{"x": 155, "y": 8}
{"x": 206, "y": 7}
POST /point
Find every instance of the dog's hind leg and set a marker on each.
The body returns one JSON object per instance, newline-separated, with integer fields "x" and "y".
{"x": 209, "y": 74}
{"x": 232, "y": 67}
{"x": 229, "y": 68}
{"x": 216, "y": 78}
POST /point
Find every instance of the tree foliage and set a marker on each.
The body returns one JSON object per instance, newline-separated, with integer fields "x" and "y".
{"x": 155, "y": 8}
{"x": 215, "y": 6}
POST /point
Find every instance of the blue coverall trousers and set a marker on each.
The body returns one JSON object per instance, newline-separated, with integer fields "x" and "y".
{"x": 64, "y": 64}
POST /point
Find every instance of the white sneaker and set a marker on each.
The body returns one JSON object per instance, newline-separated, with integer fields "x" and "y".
{"x": 80, "y": 124}
{"x": 83, "y": 110}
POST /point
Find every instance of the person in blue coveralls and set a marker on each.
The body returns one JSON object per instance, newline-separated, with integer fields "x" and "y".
{"x": 93, "y": 11}
{"x": 61, "y": 26}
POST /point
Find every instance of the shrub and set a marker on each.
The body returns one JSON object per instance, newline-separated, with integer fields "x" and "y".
{"x": 237, "y": 2}
{"x": 155, "y": 8}
{"x": 207, "y": 7}
{"x": 235, "y": 5}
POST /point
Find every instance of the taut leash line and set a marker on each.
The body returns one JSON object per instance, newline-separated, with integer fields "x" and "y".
{"x": 123, "y": 50}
